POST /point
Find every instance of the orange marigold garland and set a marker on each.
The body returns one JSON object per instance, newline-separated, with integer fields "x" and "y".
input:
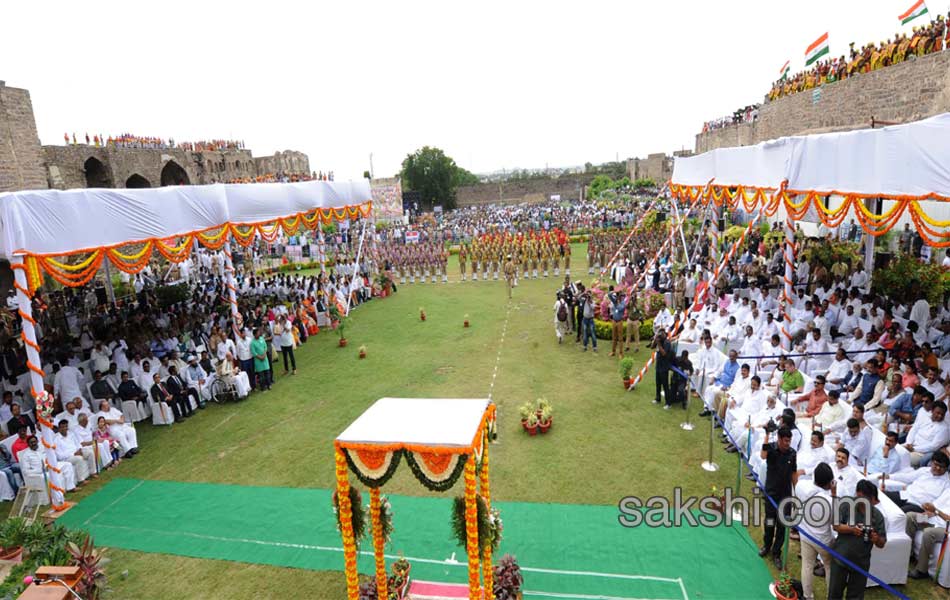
{"x": 471, "y": 529}
{"x": 486, "y": 494}
{"x": 346, "y": 527}
{"x": 379, "y": 542}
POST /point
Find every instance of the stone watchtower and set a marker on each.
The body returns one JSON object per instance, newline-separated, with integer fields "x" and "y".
{"x": 21, "y": 156}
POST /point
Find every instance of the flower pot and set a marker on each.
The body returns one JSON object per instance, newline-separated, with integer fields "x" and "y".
{"x": 532, "y": 430}
{"x": 342, "y": 342}
{"x": 627, "y": 383}
{"x": 543, "y": 427}
{"x": 780, "y": 596}
{"x": 466, "y": 323}
{"x": 11, "y": 555}
{"x": 362, "y": 355}
{"x": 422, "y": 317}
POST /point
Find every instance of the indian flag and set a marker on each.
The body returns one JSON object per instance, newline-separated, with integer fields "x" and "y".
{"x": 817, "y": 49}
{"x": 918, "y": 9}
{"x": 783, "y": 72}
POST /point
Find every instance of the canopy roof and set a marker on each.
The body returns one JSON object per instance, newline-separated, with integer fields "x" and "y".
{"x": 899, "y": 161}
{"x": 53, "y": 222}
{"x": 411, "y": 423}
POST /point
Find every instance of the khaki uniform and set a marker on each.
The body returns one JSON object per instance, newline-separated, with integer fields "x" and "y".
{"x": 509, "y": 275}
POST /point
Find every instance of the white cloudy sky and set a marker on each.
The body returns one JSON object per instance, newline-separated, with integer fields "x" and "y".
{"x": 495, "y": 84}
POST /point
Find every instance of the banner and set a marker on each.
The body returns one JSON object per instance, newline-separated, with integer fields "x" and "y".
{"x": 387, "y": 198}
{"x": 412, "y": 237}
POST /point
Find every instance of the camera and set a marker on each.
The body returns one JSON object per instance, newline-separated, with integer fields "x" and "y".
{"x": 771, "y": 426}
{"x": 866, "y": 531}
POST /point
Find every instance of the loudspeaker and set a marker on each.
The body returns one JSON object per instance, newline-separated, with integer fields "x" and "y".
{"x": 660, "y": 217}
{"x": 721, "y": 225}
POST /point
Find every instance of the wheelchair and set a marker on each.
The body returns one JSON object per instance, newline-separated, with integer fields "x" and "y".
{"x": 224, "y": 391}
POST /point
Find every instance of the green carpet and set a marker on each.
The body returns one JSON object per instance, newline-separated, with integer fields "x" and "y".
{"x": 566, "y": 550}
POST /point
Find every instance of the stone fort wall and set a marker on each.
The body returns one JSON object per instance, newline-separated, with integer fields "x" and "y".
{"x": 21, "y": 157}
{"x": 527, "y": 190}
{"x": 902, "y": 93}
{"x": 25, "y": 164}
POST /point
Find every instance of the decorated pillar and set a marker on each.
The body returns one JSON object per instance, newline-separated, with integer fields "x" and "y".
{"x": 382, "y": 581}
{"x": 44, "y": 403}
{"x": 471, "y": 529}
{"x": 789, "y": 292}
{"x": 487, "y": 571}
{"x": 236, "y": 319}
{"x": 346, "y": 527}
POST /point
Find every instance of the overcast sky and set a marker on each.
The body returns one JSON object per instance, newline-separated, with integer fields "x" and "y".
{"x": 495, "y": 84}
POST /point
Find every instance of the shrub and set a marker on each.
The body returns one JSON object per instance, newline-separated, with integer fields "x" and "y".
{"x": 907, "y": 278}
{"x": 830, "y": 253}
{"x": 172, "y": 294}
{"x": 603, "y": 331}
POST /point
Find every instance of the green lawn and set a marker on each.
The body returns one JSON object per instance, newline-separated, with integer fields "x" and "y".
{"x": 605, "y": 443}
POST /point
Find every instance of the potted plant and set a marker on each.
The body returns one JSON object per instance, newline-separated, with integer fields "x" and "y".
{"x": 531, "y": 425}
{"x": 90, "y": 561}
{"x": 545, "y": 418}
{"x": 466, "y": 321}
{"x": 526, "y": 410}
{"x": 422, "y": 314}
{"x": 626, "y": 370}
{"x": 507, "y": 579}
{"x": 399, "y": 580}
{"x": 12, "y": 535}
{"x": 340, "y": 319}
{"x": 784, "y": 588}
{"x": 720, "y": 503}
{"x": 362, "y": 352}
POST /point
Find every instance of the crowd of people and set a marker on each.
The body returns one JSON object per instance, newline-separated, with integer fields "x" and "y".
{"x": 923, "y": 40}
{"x": 110, "y": 366}
{"x": 131, "y": 140}
{"x": 284, "y": 177}
{"x": 741, "y": 115}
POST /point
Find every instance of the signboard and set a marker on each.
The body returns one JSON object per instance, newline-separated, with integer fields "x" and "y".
{"x": 816, "y": 96}
{"x": 555, "y": 197}
{"x": 412, "y": 237}
{"x": 387, "y": 198}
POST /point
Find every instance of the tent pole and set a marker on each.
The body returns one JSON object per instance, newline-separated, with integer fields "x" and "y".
{"x": 346, "y": 526}
{"x": 359, "y": 252}
{"x": 236, "y": 324}
{"x": 34, "y": 363}
{"x": 874, "y": 205}
{"x": 471, "y": 531}
{"x": 375, "y": 508}
{"x": 788, "y": 293}
{"x": 109, "y": 287}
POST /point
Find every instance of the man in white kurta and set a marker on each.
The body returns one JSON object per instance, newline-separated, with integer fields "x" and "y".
{"x": 68, "y": 451}
{"x": 82, "y": 435}
{"x": 118, "y": 428}
{"x": 67, "y": 383}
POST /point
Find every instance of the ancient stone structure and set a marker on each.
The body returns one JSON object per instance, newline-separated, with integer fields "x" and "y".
{"x": 569, "y": 188}
{"x": 657, "y": 166}
{"x": 912, "y": 90}
{"x": 25, "y": 164}
{"x": 21, "y": 157}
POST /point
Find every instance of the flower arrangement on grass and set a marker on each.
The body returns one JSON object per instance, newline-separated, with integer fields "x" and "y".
{"x": 784, "y": 588}
{"x": 362, "y": 352}
{"x": 626, "y": 370}
{"x": 422, "y": 314}
{"x": 536, "y": 416}
{"x": 465, "y": 323}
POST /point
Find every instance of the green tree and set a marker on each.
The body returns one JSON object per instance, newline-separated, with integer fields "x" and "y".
{"x": 433, "y": 174}
{"x": 465, "y": 177}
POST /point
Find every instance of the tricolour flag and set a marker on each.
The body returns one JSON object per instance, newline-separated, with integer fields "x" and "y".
{"x": 783, "y": 72}
{"x": 817, "y": 49}
{"x": 918, "y": 9}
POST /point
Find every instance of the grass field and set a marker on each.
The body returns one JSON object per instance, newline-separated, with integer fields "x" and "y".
{"x": 605, "y": 443}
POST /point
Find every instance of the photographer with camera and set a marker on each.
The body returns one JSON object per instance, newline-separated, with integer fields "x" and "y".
{"x": 781, "y": 474}
{"x": 587, "y": 311}
{"x": 664, "y": 358}
{"x": 854, "y": 542}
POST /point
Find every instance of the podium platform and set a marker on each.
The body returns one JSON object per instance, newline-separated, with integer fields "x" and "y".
{"x": 432, "y": 590}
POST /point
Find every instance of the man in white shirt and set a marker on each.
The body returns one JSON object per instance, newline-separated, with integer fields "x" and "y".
{"x": 145, "y": 374}
{"x": 750, "y": 344}
{"x": 119, "y": 429}
{"x": 847, "y": 322}
{"x": 839, "y": 370}
{"x": 69, "y": 451}
{"x": 928, "y": 435}
{"x": 923, "y": 486}
{"x": 67, "y": 382}
{"x": 831, "y": 413}
{"x": 768, "y": 329}
{"x": 100, "y": 357}
{"x": 82, "y": 435}
{"x": 816, "y": 452}
{"x": 691, "y": 333}
{"x": 817, "y": 497}
{"x": 817, "y": 350}
{"x": 857, "y": 440}
{"x": 846, "y": 476}
{"x": 932, "y": 521}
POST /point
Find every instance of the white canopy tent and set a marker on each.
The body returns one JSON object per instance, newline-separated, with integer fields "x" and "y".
{"x": 36, "y": 226}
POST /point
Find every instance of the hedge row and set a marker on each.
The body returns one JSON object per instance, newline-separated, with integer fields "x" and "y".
{"x": 604, "y": 331}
